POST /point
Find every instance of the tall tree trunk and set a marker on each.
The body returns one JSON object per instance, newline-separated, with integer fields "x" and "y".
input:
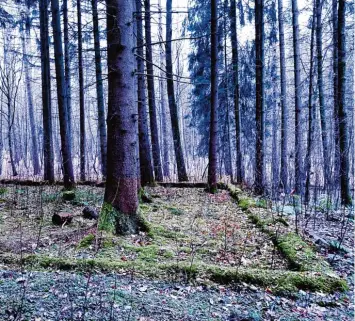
{"x": 67, "y": 60}
{"x": 342, "y": 113}
{"x": 326, "y": 159}
{"x": 310, "y": 113}
{"x": 81, "y": 95}
{"x": 259, "y": 108}
{"x": 151, "y": 95}
{"x": 212, "y": 152}
{"x": 283, "y": 100}
{"x": 336, "y": 174}
{"x": 121, "y": 194}
{"x": 179, "y": 155}
{"x": 11, "y": 118}
{"x": 34, "y": 147}
{"x": 145, "y": 157}
{"x": 61, "y": 96}
{"x": 99, "y": 89}
{"x": 297, "y": 74}
{"x": 163, "y": 110}
{"x": 46, "y": 94}
{"x": 235, "y": 62}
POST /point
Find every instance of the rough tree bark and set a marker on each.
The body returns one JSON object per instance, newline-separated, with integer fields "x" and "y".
{"x": 99, "y": 89}
{"x": 298, "y": 92}
{"x": 283, "y": 101}
{"x": 235, "y": 62}
{"x": 342, "y": 113}
{"x": 81, "y": 95}
{"x": 67, "y": 60}
{"x": 163, "y": 110}
{"x": 61, "y": 96}
{"x": 336, "y": 174}
{"x": 145, "y": 157}
{"x": 151, "y": 95}
{"x": 46, "y": 94}
{"x": 310, "y": 114}
{"x": 34, "y": 146}
{"x": 121, "y": 194}
{"x": 319, "y": 31}
{"x": 212, "y": 152}
{"x": 259, "y": 108}
{"x": 179, "y": 155}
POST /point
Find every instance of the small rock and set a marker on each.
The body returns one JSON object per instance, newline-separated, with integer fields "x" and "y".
{"x": 90, "y": 213}
{"x": 321, "y": 242}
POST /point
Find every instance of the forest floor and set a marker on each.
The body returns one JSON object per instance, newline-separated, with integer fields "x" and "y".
{"x": 226, "y": 256}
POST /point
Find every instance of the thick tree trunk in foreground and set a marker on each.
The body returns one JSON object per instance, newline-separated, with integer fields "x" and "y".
{"x": 310, "y": 115}
{"x": 326, "y": 159}
{"x": 259, "y": 108}
{"x": 298, "y": 92}
{"x": 179, "y": 155}
{"x": 99, "y": 89}
{"x": 46, "y": 94}
{"x": 235, "y": 62}
{"x": 81, "y": 95}
{"x": 151, "y": 96}
{"x": 61, "y": 96}
{"x": 145, "y": 157}
{"x": 121, "y": 194}
{"x": 342, "y": 114}
{"x": 283, "y": 100}
{"x": 34, "y": 144}
{"x": 212, "y": 152}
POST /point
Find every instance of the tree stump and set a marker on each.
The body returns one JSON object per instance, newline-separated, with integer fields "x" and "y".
{"x": 61, "y": 218}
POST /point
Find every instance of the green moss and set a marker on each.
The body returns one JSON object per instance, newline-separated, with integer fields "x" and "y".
{"x": 246, "y": 202}
{"x": 107, "y": 218}
{"x": 3, "y": 190}
{"x": 86, "y": 241}
{"x": 68, "y": 195}
{"x": 176, "y": 211}
{"x": 262, "y": 203}
{"x": 158, "y": 231}
{"x": 279, "y": 281}
{"x": 144, "y": 196}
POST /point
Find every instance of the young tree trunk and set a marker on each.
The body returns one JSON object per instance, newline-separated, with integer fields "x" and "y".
{"x": 99, "y": 89}
{"x": 162, "y": 91}
{"x": 81, "y": 95}
{"x": 283, "y": 100}
{"x": 259, "y": 107}
{"x": 326, "y": 159}
{"x": 310, "y": 114}
{"x": 61, "y": 96}
{"x": 145, "y": 157}
{"x": 121, "y": 194}
{"x": 67, "y": 60}
{"x": 235, "y": 77}
{"x": 212, "y": 152}
{"x": 342, "y": 113}
{"x": 179, "y": 155}
{"x": 34, "y": 147}
{"x": 151, "y": 95}
{"x": 298, "y": 92}
{"x": 46, "y": 94}
{"x": 9, "y": 136}
{"x": 336, "y": 174}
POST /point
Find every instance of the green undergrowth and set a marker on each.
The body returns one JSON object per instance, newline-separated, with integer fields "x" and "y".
{"x": 276, "y": 280}
{"x": 86, "y": 241}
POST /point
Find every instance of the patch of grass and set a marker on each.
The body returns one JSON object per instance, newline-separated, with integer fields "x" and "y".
{"x": 158, "y": 231}
{"x": 261, "y": 202}
{"x": 50, "y": 197}
{"x": 86, "y": 241}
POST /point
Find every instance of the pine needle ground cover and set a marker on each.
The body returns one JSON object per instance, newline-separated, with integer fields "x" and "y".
{"x": 193, "y": 236}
